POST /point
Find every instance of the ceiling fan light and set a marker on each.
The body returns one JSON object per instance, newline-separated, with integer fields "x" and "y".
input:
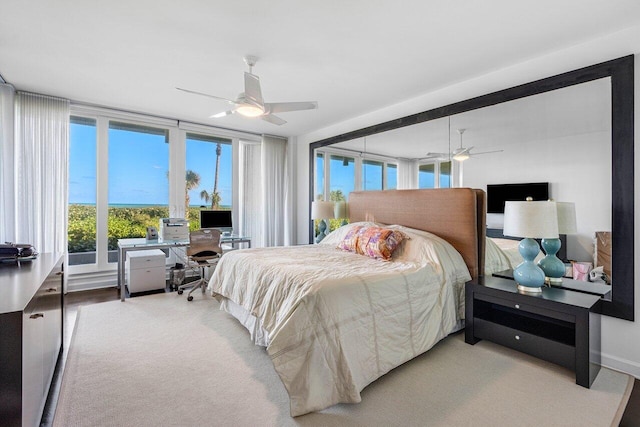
{"x": 249, "y": 110}
{"x": 461, "y": 157}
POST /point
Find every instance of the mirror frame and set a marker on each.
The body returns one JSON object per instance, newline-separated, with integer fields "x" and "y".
{"x": 621, "y": 72}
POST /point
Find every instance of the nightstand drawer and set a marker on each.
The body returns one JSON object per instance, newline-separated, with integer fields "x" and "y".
{"x": 540, "y": 347}
{"x": 526, "y": 307}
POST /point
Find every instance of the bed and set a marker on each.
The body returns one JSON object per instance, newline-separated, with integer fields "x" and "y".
{"x": 334, "y": 321}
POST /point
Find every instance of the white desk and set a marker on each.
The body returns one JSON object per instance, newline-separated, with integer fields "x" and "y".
{"x": 126, "y": 245}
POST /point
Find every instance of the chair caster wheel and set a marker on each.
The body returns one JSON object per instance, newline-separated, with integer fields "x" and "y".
{"x": 189, "y": 298}
{"x": 180, "y": 291}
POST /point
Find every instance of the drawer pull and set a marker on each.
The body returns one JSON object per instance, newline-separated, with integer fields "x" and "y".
{"x": 35, "y": 316}
{"x": 517, "y": 305}
{"x": 52, "y": 289}
{"x": 518, "y": 337}
{"x": 59, "y": 273}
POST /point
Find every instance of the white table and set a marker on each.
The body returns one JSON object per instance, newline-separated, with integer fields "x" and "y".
{"x": 126, "y": 245}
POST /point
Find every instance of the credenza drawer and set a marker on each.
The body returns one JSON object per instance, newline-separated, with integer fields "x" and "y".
{"x": 540, "y": 347}
{"x": 527, "y": 308}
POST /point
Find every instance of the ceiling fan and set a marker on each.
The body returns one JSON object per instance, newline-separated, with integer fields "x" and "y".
{"x": 250, "y": 102}
{"x": 459, "y": 154}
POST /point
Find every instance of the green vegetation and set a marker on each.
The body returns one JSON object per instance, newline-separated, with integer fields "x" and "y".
{"x": 123, "y": 223}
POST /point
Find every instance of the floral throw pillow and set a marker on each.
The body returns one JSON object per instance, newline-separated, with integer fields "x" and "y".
{"x": 350, "y": 241}
{"x": 379, "y": 243}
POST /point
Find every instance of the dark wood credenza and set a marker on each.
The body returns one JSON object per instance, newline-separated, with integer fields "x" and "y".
{"x": 31, "y": 314}
{"x": 557, "y": 325}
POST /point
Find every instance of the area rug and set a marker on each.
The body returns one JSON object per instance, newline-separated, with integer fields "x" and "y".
{"x": 159, "y": 360}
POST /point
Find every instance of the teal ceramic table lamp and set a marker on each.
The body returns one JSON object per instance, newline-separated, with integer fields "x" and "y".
{"x": 551, "y": 265}
{"x": 531, "y": 220}
{"x": 321, "y": 211}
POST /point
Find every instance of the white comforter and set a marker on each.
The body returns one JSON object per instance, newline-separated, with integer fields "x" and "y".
{"x": 336, "y": 321}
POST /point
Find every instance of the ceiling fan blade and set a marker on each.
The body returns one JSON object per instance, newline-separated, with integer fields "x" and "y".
{"x": 224, "y": 113}
{"x": 283, "y": 107}
{"x": 487, "y": 152}
{"x": 206, "y": 94}
{"x": 439, "y": 156}
{"x": 461, "y": 150}
{"x": 252, "y": 90}
{"x": 273, "y": 119}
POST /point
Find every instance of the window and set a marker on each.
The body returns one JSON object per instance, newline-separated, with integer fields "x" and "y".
{"x": 426, "y": 175}
{"x": 445, "y": 175}
{"x": 434, "y": 175}
{"x": 319, "y": 190}
{"x": 82, "y": 191}
{"x": 208, "y": 175}
{"x": 372, "y": 173}
{"x": 138, "y": 181}
{"x": 341, "y": 177}
{"x": 392, "y": 176}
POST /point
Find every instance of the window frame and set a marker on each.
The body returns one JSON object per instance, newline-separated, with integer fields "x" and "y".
{"x": 358, "y": 157}
{"x": 177, "y": 134}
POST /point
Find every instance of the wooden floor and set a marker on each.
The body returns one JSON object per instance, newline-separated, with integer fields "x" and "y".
{"x": 74, "y": 300}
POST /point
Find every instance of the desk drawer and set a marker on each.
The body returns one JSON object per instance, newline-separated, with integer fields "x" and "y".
{"x": 540, "y": 347}
{"x": 146, "y": 279}
{"x": 145, "y": 259}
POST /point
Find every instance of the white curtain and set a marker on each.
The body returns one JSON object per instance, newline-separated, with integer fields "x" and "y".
{"x": 275, "y": 192}
{"x": 7, "y": 200}
{"x": 250, "y": 193}
{"x": 264, "y": 212}
{"x": 407, "y": 174}
{"x": 40, "y": 172}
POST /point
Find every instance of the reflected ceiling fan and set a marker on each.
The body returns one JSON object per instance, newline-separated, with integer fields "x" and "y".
{"x": 250, "y": 103}
{"x": 459, "y": 154}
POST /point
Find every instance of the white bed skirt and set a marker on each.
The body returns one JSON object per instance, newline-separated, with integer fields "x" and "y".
{"x": 258, "y": 335}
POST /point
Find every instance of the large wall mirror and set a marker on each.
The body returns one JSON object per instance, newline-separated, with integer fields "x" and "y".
{"x": 573, "y": 130}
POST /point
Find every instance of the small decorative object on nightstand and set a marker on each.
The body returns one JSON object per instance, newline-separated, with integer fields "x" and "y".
{"x": 553, "y": 268}
{"x": 531, "y": 220}
{"x": 321, "y": 211}
{"x": 340, "y": 212}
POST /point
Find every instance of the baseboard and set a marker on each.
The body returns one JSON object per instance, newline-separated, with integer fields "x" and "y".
{"x": 622, "y": 365}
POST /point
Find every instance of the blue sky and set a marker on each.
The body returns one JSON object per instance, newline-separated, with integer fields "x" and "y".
{"x": 138, "y": 165}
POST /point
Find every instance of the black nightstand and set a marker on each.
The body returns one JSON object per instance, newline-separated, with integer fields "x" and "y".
{"x": 558, "y": 325}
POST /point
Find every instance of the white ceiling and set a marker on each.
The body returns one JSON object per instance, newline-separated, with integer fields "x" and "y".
{"x": 352, "y": 56}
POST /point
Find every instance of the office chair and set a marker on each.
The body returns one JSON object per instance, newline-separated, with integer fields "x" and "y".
{"x": 204, "y": 249}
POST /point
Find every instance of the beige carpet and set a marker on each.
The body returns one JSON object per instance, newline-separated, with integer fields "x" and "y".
{"x": 160, "y": 361}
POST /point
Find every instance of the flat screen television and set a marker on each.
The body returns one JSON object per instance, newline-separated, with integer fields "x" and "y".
{"x": 216, "y": 219}
{"x": 497, "y": 194}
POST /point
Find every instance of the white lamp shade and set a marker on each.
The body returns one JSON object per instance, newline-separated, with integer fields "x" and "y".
{"x": 566, "y": 218}
{"x": 321, "y": 210}
{"x": 340, "y": 210}
{"x": 537, "y": 220}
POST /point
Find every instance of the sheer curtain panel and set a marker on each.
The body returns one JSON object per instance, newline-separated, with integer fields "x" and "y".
{"x": 250, "y": 193}
{"x": 40, "y": 174}
{"x": 7, "y": 198}
{"x": 407, "y": 174}
{"x": 274, "y": 190}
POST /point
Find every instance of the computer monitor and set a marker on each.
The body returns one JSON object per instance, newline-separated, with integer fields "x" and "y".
{"x": 216, "y": 219}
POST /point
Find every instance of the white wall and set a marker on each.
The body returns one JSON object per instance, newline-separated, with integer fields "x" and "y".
{"x": 620, "y": 338}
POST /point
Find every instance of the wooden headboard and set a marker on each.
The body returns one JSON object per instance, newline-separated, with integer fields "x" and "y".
{"x": 457, "y": 215}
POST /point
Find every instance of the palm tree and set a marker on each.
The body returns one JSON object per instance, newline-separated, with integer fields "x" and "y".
{"x": 214, "y": 196}
{"x": 192, "y": 181}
